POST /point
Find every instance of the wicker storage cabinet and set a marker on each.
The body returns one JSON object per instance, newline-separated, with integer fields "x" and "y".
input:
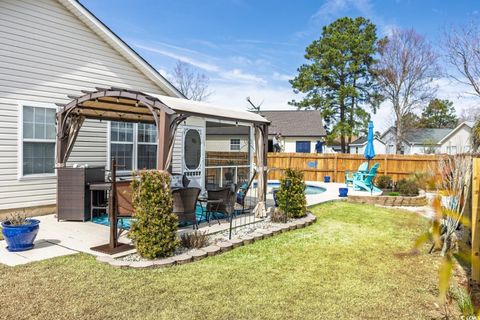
{"x": 73, "y": 196}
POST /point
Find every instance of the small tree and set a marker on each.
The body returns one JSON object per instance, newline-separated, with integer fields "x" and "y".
{"x": 154, "y": 230}
{"x": 190, "y": 82}
{"x": 439, "y": 114}
{"x": 291, "y": 199}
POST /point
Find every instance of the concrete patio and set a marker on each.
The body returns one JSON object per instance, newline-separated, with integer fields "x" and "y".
{"x": 63, "y": 238}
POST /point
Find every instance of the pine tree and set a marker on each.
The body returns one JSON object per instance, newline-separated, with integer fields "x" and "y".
{"x": 337, "y": 79}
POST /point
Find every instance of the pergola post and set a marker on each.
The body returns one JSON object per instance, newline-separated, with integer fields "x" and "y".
{"x": 261, "y": 143}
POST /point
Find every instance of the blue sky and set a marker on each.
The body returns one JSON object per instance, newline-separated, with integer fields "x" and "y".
{"x": 251, "y": 48}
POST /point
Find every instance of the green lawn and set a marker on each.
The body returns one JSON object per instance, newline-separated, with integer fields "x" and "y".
{"x": 341, "y": 267}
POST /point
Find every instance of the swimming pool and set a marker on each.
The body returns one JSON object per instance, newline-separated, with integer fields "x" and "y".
{"x": 309, "y": 190}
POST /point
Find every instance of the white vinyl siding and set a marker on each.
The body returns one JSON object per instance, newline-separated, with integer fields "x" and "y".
{"x": 46, "y": 54}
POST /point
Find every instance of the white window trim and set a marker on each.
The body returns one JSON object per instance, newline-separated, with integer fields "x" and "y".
{"x": 239, "y": 144}
{"x": 135, "y": 144}
{"x": 20, "y": 175}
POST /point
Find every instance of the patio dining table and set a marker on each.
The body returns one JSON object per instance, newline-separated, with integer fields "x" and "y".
{"x": 214, "y": 203}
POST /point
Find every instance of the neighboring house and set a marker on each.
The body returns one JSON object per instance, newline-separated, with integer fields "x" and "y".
{"x": 55, "y": 49}
{"x": 225, "y": 138}
{"x": 428, "y": 141}
{"x": 358, "y": 146}
{"x": 300, "y": 130}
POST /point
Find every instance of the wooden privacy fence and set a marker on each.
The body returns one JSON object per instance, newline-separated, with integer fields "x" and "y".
{"x": 317, "y": 166}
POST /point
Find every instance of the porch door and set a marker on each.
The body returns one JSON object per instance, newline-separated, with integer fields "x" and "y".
{"x": 193, "y": 155}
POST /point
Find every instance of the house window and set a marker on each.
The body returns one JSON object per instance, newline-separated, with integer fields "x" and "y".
{"x": 302, "y": 146}
{"x": 133, "y": 146}
{"x": 234, "y": 144}
{"x": 452, "y": 149}
{"x": 121, "y": 138}
{"x": 38, "y": 140}
{"x": 147, "y": 146}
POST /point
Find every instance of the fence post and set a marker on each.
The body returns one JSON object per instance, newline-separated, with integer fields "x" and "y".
{"x": 386, "y": 164}
{"x": 335, "y": 168}
{"x": 475, "y": 220}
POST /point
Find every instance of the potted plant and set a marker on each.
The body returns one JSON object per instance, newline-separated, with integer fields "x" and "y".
{"x": 19, "y": 232}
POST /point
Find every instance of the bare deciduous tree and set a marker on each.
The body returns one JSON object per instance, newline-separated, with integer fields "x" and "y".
{"x": 471, "y": 113}
{"x": 190, "y": 82}
{"x": 462, "y": 48}
{"x": 405, "y": 70}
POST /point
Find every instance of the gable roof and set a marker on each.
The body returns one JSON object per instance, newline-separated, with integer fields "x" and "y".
{"x": 295, "y": 123}
{"x": 469, "y": 124}
{"x": 422, "y": 135}
{"x": 120, "y": 46}
{"x": 362, "y": 141}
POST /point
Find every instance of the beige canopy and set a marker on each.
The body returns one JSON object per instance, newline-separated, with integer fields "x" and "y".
{"x": 117, "y": 104}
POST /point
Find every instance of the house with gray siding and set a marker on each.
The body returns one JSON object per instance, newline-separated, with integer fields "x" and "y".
{"x": 52, "y": 50}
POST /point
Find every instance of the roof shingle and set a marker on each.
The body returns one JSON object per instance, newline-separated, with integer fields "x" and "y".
{"x": 295, "y": 123}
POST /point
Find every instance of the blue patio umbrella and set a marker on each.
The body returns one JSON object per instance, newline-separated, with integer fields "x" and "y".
{"x": 369, "y": 149}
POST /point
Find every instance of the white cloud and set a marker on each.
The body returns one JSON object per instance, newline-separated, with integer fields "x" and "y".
{"x": 199, "y": 64}
{"x": 281, "y": 77}
{"x": 239, "y": 75}
{"x": 234, "y": 95}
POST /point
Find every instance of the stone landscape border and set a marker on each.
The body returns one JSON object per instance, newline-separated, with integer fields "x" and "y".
{"x": 212, "y": 250}
{"x": 391, "y": 201}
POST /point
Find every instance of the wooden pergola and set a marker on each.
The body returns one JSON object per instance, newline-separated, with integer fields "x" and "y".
{"x": 117, "y": 104}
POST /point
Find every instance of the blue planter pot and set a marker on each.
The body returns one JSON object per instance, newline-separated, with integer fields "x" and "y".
{"x": 343, "y": 192}
{"x": 20, "y": 237}
{"x": 326, "y": 179}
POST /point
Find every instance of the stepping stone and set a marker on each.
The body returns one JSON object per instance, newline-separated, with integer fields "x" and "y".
{"x": 120, "y": 264}
{"x": 300, "y": 223}
{"x": 141, "y": 264}
{"x": 225, "y": 246}
{"x": 292, "y": 226}
{"x": 266, "y": 232}
{"x": 166, "y": 262}
{"x": 104, "y": 259}
{"x": 247, "y": 240}
{"x": 198, "y": 254}
{"x": 276, "y": 230}
{"x": 236, "y": 242}
{"x": 257, "y": 236}
{"x": 211, "y": 250}
{"x": 182, "y": 258}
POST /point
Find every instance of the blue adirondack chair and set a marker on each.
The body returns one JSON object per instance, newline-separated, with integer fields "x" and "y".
{"x": 365, "y": 181}
{"x": 350, "y": 176}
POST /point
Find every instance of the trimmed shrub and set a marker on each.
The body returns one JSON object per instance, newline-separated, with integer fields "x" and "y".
{"x": 383, "y": 182}
{"x": 425, "y": 180}
{"x": 292, "y": 200}
{"x": 407, "y": 187}
{"x": 194, "y": 240}
{"x": 154, "y": 229}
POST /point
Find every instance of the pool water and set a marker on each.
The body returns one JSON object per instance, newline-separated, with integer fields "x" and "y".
{"x": 309, "y": 190}
{"x": 126, "y": 223}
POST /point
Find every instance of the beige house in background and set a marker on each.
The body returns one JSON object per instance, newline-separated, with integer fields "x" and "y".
{"x": 300, "y": 130}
